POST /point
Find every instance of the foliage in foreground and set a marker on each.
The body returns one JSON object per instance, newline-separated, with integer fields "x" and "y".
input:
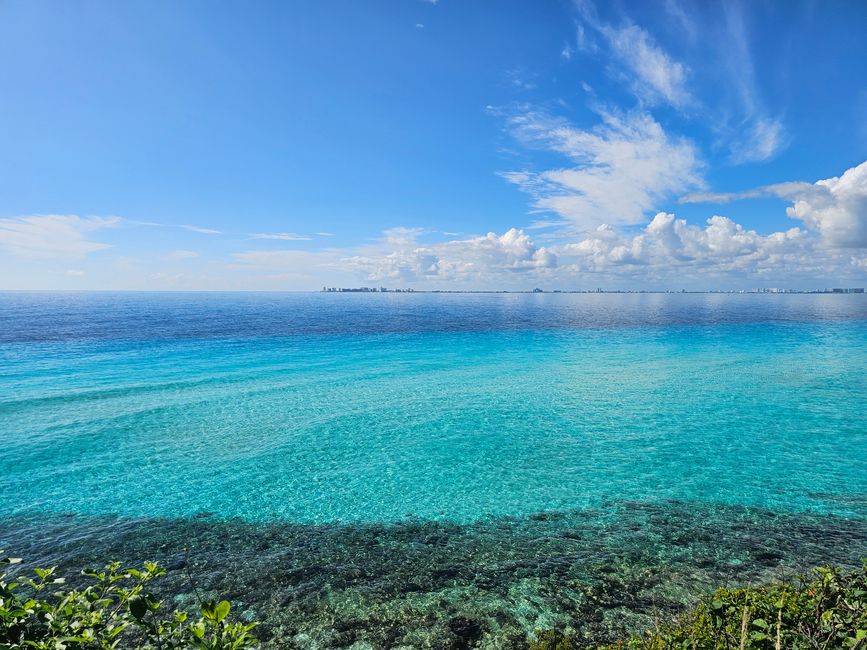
{"x": 113, "y": 610}
{"x": 826, "y": 609}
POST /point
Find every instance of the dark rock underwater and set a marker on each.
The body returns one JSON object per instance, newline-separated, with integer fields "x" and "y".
{"x": 602, "y": 572}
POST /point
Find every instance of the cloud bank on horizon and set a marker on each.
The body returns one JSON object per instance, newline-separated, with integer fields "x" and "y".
{"x": 662, "y": 146}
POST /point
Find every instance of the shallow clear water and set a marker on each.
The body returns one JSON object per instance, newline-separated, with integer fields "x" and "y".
{"x": 399, "y": 462}
{"x": 317, "y": 408}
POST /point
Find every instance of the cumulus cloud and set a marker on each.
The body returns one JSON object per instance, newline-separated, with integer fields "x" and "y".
{"x": 620, "y": 168}
{"x": 668, "y": 243}
{"x": 667, "y": 252}
{"x": 473, "y": 259}
{"x": 52, "y": 236}
{"x": 835, "y": 208}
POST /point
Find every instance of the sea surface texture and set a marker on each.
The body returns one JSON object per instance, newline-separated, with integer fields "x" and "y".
{"x": 438, "y": 468}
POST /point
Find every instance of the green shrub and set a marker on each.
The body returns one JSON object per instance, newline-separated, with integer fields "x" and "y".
{"x": 114, "y": 610}
{"x": 824, "y": 610}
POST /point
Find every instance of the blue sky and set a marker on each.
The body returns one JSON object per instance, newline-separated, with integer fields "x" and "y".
{"x": 448, "y": 144}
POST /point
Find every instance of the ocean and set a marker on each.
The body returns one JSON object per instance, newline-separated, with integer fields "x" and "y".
{"x": 402, "y": 460}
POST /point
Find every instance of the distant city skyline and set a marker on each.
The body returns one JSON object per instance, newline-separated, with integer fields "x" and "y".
{"x": 433, "y": 144}
{"x": 762, "y": 290}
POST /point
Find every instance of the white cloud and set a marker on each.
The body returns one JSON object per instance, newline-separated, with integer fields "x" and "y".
{"x": 75, "y": 273}
{"x": 667, "y": 252}
{"x": 671, "y": 251}
{"x": 761, "y": 140}
{"x": 755, "y": 137}
{"x": 655, "y": 75}
{"x": 835, "y": 208}
{"x": 52, "y": 236}
{"x": 480, "y": 259}
{"x": 736, "y": 111}
{"x": 401, "y": 236}
{"x": 668, "y": 241}
{"x": 283, "y": 236}
{"x": 202, "y": 231}
{"x": 620, "y": 169}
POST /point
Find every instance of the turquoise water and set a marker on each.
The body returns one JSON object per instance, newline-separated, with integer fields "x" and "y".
{"x": 376, "y": 471}
{"x": 449, "y": 424}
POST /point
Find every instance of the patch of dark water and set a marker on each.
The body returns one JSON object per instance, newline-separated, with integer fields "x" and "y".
{"x": 603, "y": 573}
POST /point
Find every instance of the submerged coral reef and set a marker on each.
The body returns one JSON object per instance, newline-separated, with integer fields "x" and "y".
{"x": 597, "y": 574}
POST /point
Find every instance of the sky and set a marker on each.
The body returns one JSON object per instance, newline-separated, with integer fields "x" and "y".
{"x": 432, "y": 144}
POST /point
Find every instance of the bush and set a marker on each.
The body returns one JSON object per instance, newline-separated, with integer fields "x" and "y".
{"x": 826, "y": 609}
{"x": 114, "y": 610}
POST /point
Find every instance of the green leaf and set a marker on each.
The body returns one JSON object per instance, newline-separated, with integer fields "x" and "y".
{"x": 198, "y": 629}
{"x": 222, "y": 610}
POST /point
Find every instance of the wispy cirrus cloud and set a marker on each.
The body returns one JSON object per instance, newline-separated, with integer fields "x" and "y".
{"x": 191, "y": 228}
{"x": 653, "y": 74}
{"x": 200, "y": 230}
{"x": 618, "y": 170}
{"x": 782, "y": 190}
{"x": 737, "y": 112}
{"x": 281, "y": 236}
{"x": 752, "y": 134}
{"x": 53, "y": 236}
